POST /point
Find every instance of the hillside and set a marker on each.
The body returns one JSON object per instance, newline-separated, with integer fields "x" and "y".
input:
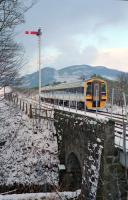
{"x": 68, "y": 74}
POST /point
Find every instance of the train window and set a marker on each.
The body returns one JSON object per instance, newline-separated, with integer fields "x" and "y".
{"x": 103, "y": 88}
{"x": 89, "y": 89}
{"x": 80, "y": 90}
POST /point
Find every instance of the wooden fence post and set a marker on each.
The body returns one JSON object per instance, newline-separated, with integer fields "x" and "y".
{"x": 11, "y": 97}
{"x": 30, "y": 111}
{"x": 17, "y": 100}
{"x": 26, "y": 111}
{"x": 20, "y": 103}
{"x": 23, "y": 106}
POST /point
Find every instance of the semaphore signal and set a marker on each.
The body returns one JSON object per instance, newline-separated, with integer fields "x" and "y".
{"x": 38, "y": 33}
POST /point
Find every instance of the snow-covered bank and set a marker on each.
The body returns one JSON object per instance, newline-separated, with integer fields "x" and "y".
{"x": 42, "y": 196}
{"x": 27, "y": 155}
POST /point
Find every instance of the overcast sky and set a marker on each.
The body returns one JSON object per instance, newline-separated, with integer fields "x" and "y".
{"x": 93, "y": 32}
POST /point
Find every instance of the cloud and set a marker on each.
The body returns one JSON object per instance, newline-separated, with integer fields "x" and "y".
{"x": 113, "y": 58}
{"x": 50, "y": 55}
{"x": 62, "y": 18}
{"x": 74, "y": 32}
{"x": 31, "y": 66}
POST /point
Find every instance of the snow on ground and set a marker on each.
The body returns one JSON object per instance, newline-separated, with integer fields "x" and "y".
{"x": 121, "y": 137}
{"x": 7, "y": 90}
{"x": 42, "y": 196}
{"x": 27, "y": 155}
{"x": 115, "y": 109}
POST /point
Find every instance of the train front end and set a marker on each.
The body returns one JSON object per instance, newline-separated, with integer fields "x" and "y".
{"x": 96, "y": 94}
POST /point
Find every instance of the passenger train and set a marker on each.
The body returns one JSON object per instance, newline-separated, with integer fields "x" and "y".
{"x": 90, "y": 94}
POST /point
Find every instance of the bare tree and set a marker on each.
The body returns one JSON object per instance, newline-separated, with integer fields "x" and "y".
{"x": 123, "y": 82}
{"x": 11, "y": 15}
{"x": 120, "y": 86}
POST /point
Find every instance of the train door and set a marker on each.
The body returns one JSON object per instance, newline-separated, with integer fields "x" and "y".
{"x": 96, "y": 94}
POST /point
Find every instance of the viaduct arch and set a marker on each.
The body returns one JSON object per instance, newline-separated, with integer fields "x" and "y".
{"x": 73, "y": 172}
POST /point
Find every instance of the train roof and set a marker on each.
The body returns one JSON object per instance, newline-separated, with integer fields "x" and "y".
{"x": 62, "y": 86}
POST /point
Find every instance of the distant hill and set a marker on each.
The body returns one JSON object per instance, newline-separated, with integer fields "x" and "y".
{"x": 32, "y": 80}
{"x": 71, "y": 73}
{"x": 87, "y": 71}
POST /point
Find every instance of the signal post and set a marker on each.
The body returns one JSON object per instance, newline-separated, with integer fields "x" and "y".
{"x": 38, "y": 33}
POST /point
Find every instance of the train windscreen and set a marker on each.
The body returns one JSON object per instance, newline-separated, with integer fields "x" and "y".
{"x": 89, "y": 89}
{"x": 103, "y": 88}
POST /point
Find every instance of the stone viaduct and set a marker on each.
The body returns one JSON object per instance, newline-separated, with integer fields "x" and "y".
{"x": 86, "y": 149}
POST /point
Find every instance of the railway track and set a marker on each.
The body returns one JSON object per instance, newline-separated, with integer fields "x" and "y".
{"x": 114, "y": 116}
